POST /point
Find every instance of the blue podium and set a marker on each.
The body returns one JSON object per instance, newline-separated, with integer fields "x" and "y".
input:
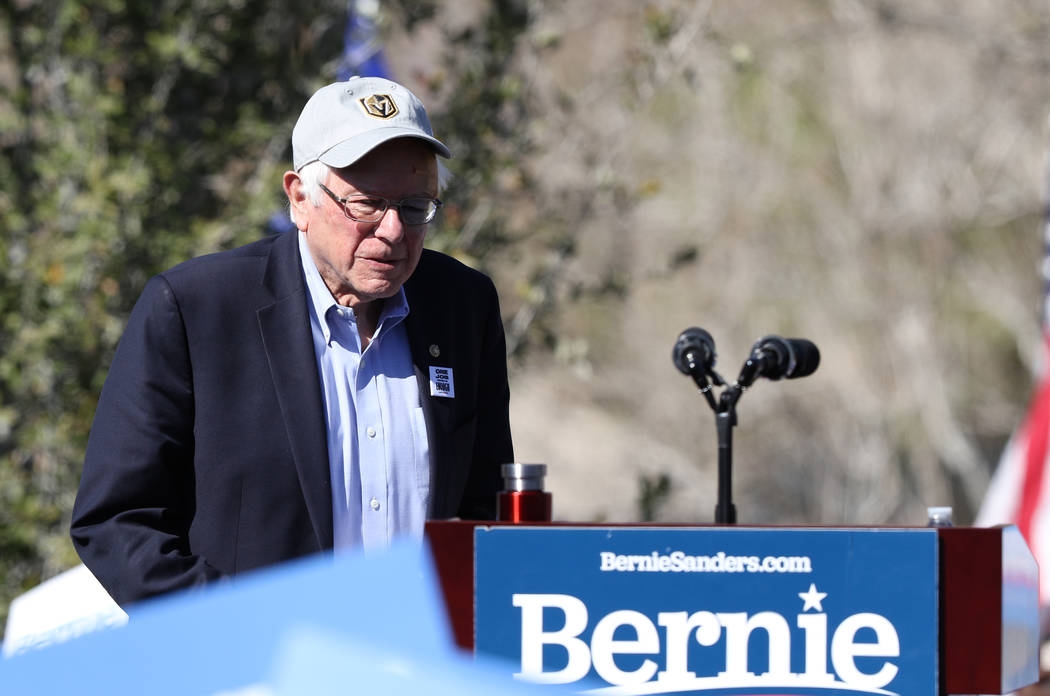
{"x": 585, "y": 608}
{"x": 738, "y": 610}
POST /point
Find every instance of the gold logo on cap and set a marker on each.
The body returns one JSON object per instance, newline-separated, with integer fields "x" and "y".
{"x": 379, "y": 106}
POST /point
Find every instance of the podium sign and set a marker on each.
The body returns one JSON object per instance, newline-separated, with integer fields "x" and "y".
{"x": 712, "y": 611}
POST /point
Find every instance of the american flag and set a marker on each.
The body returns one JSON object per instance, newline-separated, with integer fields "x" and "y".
{"x": 1019, "y": 492}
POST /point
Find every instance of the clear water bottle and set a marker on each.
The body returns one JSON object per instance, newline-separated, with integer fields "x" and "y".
{"x": 939, "y": 516}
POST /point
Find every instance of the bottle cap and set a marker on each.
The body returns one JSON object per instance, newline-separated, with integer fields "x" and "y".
{"x": 940, "y": 516}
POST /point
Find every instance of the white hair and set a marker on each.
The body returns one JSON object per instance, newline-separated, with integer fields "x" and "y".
{"x": 315, "y": 173}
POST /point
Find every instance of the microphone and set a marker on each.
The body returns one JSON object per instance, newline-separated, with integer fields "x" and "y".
{"x": 774, "y": 358}
{"x": 694, "y": 351}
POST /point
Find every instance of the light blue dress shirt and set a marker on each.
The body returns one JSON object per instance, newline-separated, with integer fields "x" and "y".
{"x": 377, "y": 440}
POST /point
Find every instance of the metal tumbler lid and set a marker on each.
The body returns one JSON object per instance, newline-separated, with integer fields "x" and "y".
{"x": 523, "y": 477}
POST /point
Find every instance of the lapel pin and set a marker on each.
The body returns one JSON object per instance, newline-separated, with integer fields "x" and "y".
{"x": 434, "y": 350}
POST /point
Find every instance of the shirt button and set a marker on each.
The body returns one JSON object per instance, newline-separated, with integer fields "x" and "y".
{"x": 374, "y": 504}
{"x": 371, "y": 433}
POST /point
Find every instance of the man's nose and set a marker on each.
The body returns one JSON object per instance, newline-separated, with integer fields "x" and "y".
{"x": 390, "y": 226}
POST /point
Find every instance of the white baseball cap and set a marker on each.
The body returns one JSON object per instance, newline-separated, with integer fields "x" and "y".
{"x": 344, "y": 121}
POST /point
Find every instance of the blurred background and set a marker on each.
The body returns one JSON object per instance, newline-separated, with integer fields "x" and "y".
{"x": 867, "y": 175}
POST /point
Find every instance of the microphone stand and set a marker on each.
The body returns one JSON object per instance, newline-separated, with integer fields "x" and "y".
{"x": 725, "y": 421}
{"x": 725, "y": 511}
{"x": 772, "y": 356}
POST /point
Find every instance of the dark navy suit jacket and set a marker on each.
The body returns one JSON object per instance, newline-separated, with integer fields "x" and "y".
{"x": 208, "y": 457}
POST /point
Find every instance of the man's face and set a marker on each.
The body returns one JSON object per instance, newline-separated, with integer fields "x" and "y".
{"x": 364, "y": 261}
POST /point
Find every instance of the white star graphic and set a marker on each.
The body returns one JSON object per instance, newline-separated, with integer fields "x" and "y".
{"x": 812, "y": 598}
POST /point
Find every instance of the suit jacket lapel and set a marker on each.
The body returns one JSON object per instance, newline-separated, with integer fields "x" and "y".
{"x": 285, "y": 328}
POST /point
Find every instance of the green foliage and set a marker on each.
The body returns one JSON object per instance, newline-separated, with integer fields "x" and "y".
{"x": 484, "y": 124}
{"x": 653, "y": 492}
{"x": 132, "y": 136}
{"x": 136, "y": 135}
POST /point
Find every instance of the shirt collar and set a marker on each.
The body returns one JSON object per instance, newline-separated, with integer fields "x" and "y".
{"x": 394, "y": 308}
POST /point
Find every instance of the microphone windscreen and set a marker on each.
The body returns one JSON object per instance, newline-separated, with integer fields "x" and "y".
{"x": 807, "y": 358}
{"x": 698, "y": 342}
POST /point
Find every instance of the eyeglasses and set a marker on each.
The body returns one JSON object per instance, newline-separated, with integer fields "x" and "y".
{"x": 417, "y": 210}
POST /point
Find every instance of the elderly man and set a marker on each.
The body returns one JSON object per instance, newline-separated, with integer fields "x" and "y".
{"x": 329, "y": 388}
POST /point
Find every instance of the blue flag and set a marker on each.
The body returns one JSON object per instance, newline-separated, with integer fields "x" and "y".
{"x": 362, "y": 52}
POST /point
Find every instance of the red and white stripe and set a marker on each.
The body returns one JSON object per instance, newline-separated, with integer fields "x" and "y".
{"x": 1019, "y": 492}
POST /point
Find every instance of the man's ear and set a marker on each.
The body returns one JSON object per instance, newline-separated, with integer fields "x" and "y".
{"x": 297, "y": 199}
